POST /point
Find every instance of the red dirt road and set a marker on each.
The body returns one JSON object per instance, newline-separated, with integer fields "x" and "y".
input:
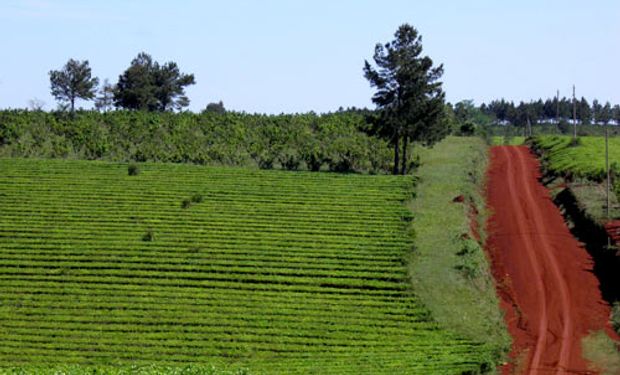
{"x": 543, "y": 274}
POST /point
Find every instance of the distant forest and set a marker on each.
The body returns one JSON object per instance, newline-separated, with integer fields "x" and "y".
{"x": 549, "y": 111}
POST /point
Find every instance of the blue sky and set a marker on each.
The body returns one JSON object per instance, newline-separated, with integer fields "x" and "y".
{"x": 294, "y": 56}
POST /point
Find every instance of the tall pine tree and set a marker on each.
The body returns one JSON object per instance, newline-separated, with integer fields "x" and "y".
{"x": 409, "y": 96}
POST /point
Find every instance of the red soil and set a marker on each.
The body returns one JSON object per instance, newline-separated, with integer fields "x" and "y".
{"x": 613, "y": 230}
{"x": 544, "y": 276}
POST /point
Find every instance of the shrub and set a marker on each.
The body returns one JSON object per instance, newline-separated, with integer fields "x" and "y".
{"x": 574, "y": 142}
{"x": 238, "y": 139}
{"x": 133, "y": 170}
{"x": 470, "y": 258}
{"x": 197, "y": 198}
{"x": 467, "y": 129}
{"x": 289, "y": 160}
{"x": 148, "y": 236}
{"x": 186, "y": 203}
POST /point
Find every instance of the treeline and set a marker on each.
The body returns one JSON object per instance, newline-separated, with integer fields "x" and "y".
{"x": 335, "y": 142}
{"x": 410, "y": 109}
{"x": 552, "y": 110}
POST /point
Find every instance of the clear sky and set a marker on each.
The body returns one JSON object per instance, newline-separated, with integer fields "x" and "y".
{"x": 299, "y": 55}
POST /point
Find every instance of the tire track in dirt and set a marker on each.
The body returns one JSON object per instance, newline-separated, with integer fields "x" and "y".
{"x": 544, "y": 277}
{"x": 530, "y": 253}
{"x": 551, "y": 285}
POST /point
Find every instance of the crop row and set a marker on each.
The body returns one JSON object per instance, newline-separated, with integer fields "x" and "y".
{"x": 264, "y": 268}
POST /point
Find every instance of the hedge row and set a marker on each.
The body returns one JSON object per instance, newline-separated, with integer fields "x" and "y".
{"x": 334, "y": 142}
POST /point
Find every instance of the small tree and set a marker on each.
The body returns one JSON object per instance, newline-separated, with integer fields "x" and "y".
{"x": 36, "y": 104}
{"x": 409, "y": 96}
{"x": 73, "y": 81}
{"x": 215, "y": 108}
{"x": 605, "y": 114}
{"x": 105, "y": 100}
{"x": 170, "y": 86}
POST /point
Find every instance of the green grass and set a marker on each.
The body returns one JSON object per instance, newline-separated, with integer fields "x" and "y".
{"x": 512, "y": 140}
{"x": 269, "y": 271}
{"x": 593, "y": 199}
{"x": 601, "y": 351}
{"x": 449, "y": 269}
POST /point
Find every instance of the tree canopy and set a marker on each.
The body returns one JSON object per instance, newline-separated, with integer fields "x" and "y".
{"x": 73, "y": 81}
{"x": 409, "y": 96}
{"x": 215, "y": 108}
{"x": 147, "y": 85}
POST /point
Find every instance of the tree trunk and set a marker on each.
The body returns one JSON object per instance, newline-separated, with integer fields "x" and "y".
{"x": 72, "y": 106}
{"x": 403, "y": 169}
{"x": 396, "y": 147}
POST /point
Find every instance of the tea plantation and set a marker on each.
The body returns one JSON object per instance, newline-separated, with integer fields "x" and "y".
{"x": 269, "y": 271}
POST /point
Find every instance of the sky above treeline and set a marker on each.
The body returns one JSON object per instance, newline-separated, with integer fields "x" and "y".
{"x": 274, "y": 56}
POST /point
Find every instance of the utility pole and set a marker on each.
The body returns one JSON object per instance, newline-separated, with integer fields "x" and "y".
{"x": 574, "y": 116}
{"x": 608, "y": 175}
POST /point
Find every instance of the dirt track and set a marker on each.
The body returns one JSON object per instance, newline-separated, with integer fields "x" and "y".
{"x": 550, "y": 296}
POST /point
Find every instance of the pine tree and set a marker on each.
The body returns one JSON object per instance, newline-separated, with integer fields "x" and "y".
{"x": 409, "y": 96}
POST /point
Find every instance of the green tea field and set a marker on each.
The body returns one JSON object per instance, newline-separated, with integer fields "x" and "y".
{"x": 269, "y": 271}
{"x": 587, "y": 159}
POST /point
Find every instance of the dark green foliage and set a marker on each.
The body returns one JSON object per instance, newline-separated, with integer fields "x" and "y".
{"x": 563, "y": 127}
{"x": 551, "y": 112}
{"x": 304, "y": 141}
{"x": 584, "y": 112}
{"x": 73, "y": 82}
{"x": 133, "y": 170}
{"x": 574, "y": 142}
{"x": 408, "y": 93}
{"x": 147, "y": 85}
{"x": 467, "y": 129}
{"x": 215, "y": 108}
{"x": 148, "y": 236}
{"x": 197, "y": 198}
{"x": 469, "y": 119}
{"x": 469, "y": 258}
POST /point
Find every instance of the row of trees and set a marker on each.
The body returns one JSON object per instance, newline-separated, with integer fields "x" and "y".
{"x": 145, "y": 85}
{"x": 551, "y": 110}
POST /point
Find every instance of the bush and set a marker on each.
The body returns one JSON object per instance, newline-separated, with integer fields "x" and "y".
{"x": 186, "y": 203}
{"x": 197, "y": 198}
{"x": 289, "y": 160}
{"x": 575, "y": 142}
{"x": 237, "y": 139}
{"x": 467, "y": 129}
{"x": 133, "y": 170}
{"x": 148, "y": 236}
